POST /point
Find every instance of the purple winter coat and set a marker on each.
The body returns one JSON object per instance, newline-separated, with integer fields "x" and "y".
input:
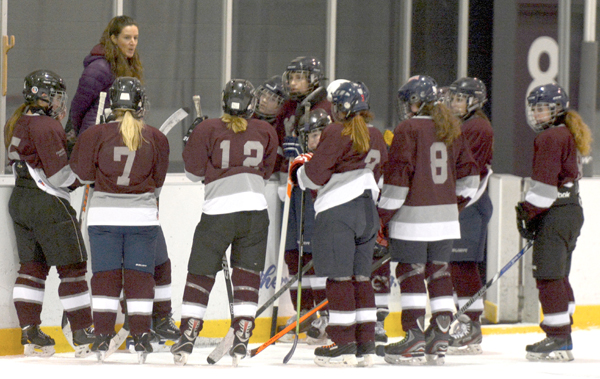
{"x": 96, "y": 77}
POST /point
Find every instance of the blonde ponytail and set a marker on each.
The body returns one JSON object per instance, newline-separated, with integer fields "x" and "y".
{"x": 131, "y": 130}
{"x": 447, "y": 126}
{"x": 358, "y": 131}
{"x": 10, "y": 124}
{"x": 237, "y": 124}
{"x": 580, "y": 131}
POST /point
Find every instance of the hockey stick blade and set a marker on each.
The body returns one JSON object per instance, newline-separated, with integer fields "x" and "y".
{"x": 173, "y": 120}
{"x": 197, "y": 105}
{"x": 221, "y": 349}
{"x": 491, "y": 282}
{"x": 276, "y": 337}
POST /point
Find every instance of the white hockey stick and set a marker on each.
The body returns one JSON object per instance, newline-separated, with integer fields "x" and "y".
{"x": 197, "y": 105}
{"x": 173, "y": 120}
{"x": 101, "y": 102}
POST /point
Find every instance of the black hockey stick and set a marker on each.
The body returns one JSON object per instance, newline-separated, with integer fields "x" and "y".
{"x": 491, "y": 282}
{"x": 274, "y": 339}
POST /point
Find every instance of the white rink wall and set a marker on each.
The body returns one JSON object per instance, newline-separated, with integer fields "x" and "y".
{"x": 180, "y": 209}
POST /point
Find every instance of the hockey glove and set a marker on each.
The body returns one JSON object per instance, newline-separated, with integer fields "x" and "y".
{"x": 291, "y": 147}
{"x": 196, "y": 122}
{"x": 296, "y": 164}
{"x": 527, "y": 227}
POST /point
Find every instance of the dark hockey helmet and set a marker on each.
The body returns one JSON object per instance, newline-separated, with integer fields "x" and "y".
{"x": 308, "y": 68}
{"x": 365, "y": 91}
{"x": 270, "y": 96}
{"x": 238, "y": 98}
{"x": 318, "y": 119}
{"x": 348, "y": 99}
{"x": 418, "y": 90}
{"x": 128, "y": 94}
{"x": 545, "y": 104}
{"x": 471, "y": 90}
{"x": 47, "y": 86}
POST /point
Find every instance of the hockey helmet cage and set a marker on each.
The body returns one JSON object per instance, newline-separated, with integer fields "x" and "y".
{"x": 419, "y": 90}
{"x": 544, "y": 105}
{"x": 333, "y": 86}
{"x": 49, "y": 87}
{"x": 238, "y": 98}
{"x": 318, "y": 119}
{"x": 310, "y": 68}
{"x": 128, "y": 94}
{"x": 270, "y": 96}
{"x": 347, "y": 100}
{"x": 472, "y": 90}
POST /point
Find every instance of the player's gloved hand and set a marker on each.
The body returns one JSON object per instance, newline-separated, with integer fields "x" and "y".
{"x": 296, "y": 164}
{"x": 196, "y": 122}
{"x": 291, "y": 147}
{"x": 527, "y": 227}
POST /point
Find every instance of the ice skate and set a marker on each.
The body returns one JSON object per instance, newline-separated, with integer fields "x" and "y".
{"x": 101, "y": 346}
{"x": 82, "y": 340}
{"x": 242, "y": 333}
{"x": 334, "y": 355}
{"x": 36, "y": 342}
{"x": 410, "y": 351}
{"x": 465, "y": 338}
{"x": 380, "y": 333}
{"x": 142, "y": 346}
{"x": 304, "y": 327}
{"x": 185, "y": 345}
{"x": 365, "y": 353}
{"x": 436, "y": 340}
{"x": 555, "y": 349}
{"x": 316, "y": 334}
{"x": 165, "y": 328}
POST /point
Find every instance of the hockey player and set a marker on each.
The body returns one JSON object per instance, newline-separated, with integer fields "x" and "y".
{"x": 117, "y": 55}
{"x": 270, "y": 97}
{"x": 552, "y": 214}
{"x": 466, "y": 97}
{"x": 127, "y": 160}
{"x": 430, "y": 165}
{"x": 233, "y": 156}
{"x": 303, "y": 82}
{"x": 345, "y": 170}
{"x": 45, "y": 223}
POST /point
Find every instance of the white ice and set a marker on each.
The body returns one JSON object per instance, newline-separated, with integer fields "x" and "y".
{"x": 503, "y": 357}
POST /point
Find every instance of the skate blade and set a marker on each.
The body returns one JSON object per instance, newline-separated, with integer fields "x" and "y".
{"x": 346, "y": 360}
{"x": 236, "y": 358}
{"x": 554, "y": 356}
{"x": 32, "y": 350}
{"x": 365, "y": 361}
{"x": 161, "y": 347}
{"x": 180, "y": 359}
{"x": 101, "y": 356}
{"x": 435, "y": 359}
{"x": 142, "y": 355}
{"x": 474, "y": 349}
{"x": 405, "y": 360}
{"x": 324, "y": 341}
{"x": 83, "y": 351}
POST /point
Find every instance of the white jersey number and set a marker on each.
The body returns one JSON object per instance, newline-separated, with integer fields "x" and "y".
{"x": 438, "y": 155}
{"x": 372, "y": 159}
{"x": 253, "y": 151}
{"x": 119, "y": 151}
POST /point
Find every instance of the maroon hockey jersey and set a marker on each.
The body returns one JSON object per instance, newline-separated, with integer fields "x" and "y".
{"x": 127, "y": 183}
{"x": 40, "y": 141}
{"x": 556, "y": 163}
{"x": 234, "y": 166}
{"x": 480, "y": 136}
{"x": 422, "y": 180}
{"x": 338, "y": 172}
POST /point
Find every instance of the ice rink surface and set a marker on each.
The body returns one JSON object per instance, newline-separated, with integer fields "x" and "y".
{"x": 503, "y": 357}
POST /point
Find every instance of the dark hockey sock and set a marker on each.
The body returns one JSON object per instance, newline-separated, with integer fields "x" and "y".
{"x": 74, "y": 294}
{"x": 139, "y": 294}
{"x": 555, "y": 305}
{"x": 439, "y": 286}
{"x": 366, "y": 315}
{"x": 466, "y": 282}
{"x": 196, "y": 293}
{"x": 106, "y": 291}
{"x": 28, "y": 293}
{"x": 341, "y": 305}
{"x": 162, "y": 294}
{"x": 291, "y": 259}
{"x": 412, "y": 285}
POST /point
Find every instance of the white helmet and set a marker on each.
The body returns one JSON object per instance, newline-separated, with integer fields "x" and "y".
{"x": 333, "y": 86}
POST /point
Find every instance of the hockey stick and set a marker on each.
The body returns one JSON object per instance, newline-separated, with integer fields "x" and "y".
{"x": 274, "y": 339}
{"x": 491, "y": 282}
{"x": 173, "y": 120}
{"x": 280, "y": 256}
{"x": 199, "y": 118}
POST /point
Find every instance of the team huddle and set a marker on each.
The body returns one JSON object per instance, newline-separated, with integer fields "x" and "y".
{"x": 355, "y": 200}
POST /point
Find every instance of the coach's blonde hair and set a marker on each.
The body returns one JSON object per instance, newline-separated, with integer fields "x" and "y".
{"x": 237, "y": 124}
